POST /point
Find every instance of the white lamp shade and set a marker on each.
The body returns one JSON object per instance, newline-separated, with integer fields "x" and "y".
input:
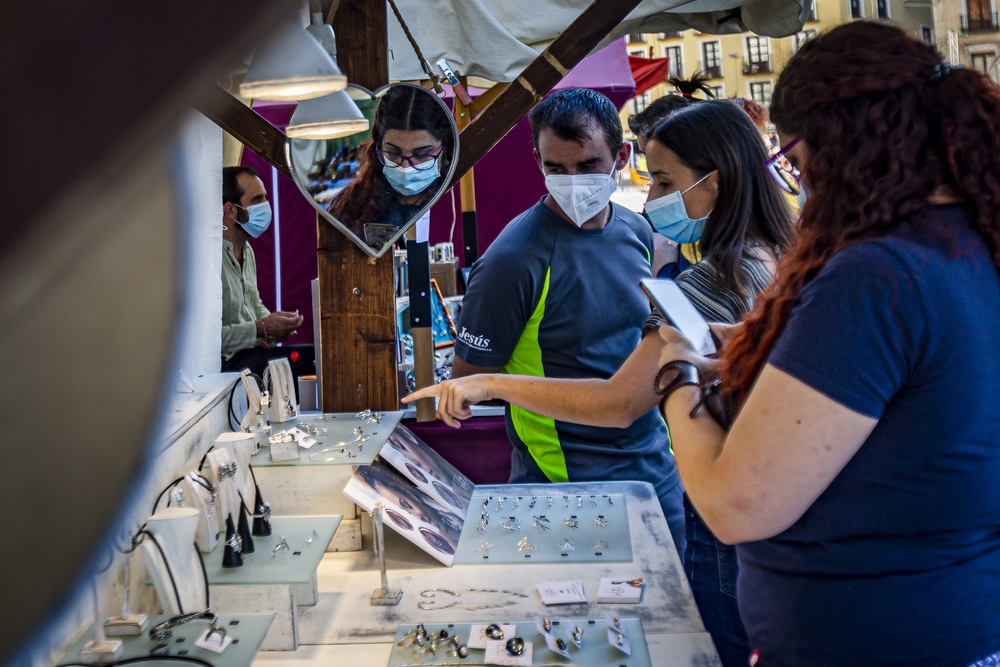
{"x": 291, "y": 65}
{"x": 327, "y": 117}
{"x": 323, "y": 33}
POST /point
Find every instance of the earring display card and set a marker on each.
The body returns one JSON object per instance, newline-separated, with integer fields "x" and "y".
{"x": 595, "y": 650}
{"x": 428, "y": 470}
{"x": 546, "y": 529}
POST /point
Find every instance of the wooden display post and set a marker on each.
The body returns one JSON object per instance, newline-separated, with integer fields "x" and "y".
{"x": 357, "y": 301}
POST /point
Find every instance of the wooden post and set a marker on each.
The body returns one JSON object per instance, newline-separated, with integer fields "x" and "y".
{"x": 419, "y": 272}
{"x": 467, "y": 190}
{"x": 357, "y": 300}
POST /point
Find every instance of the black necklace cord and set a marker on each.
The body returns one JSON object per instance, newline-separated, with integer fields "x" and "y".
{"x": 166, "y": 564}
{"x": 149, "y": 658}
{"x": 165, "y": 490}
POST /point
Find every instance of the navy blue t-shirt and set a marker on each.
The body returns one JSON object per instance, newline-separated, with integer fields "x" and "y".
{"x": 549, "y": 299}
{"x": 898, "y": 560}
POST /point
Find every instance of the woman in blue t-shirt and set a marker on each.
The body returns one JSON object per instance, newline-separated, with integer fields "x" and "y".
{"x": 859, "y": 478}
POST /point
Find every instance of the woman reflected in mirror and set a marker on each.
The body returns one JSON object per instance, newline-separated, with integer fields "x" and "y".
{"x": 402, "y": 165}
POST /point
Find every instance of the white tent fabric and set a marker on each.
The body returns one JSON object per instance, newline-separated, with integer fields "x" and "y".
{"x": 496, "y": 39}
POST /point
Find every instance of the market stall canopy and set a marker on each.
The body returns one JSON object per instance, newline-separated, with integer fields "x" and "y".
{"x": 648, "y": 72}
{"x": 496, "y": 39}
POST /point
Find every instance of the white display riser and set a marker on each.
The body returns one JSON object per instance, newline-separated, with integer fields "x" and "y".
{"x": 282, "y": 600}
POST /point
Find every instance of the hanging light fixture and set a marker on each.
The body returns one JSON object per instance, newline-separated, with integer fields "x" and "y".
{"x": 291, "y": 65}
{"x": 327, "y": 117}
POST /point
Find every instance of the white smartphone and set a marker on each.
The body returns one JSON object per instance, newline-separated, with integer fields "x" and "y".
{"x": 680, "y": 312}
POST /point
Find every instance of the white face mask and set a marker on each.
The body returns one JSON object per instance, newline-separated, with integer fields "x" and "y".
{"x": 582, "y": 196}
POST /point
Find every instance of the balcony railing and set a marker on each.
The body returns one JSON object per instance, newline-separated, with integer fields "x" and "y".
{"x": 670, "y": 35}
{"x": 637, "y": 38}
{"x": 757, "y": 67}
{"x": 980, "y": 23}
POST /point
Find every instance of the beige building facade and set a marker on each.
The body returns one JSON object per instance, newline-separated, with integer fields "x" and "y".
{"x": 747, "y": 65}
{"x": 967, "y": 33}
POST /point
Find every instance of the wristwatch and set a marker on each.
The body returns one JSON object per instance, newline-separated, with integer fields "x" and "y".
{"x": 673, "y": 376}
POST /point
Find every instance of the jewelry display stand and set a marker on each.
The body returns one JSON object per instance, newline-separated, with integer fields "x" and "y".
{"x": 277, "y": 583}
{"x": 382, "y": 597}
{"x": 100, "y": 650}
{"x": 199, "y": 494}
{"x": 129, "y": 624}
{"x": 596, "y": 649}
{"x": 176, "y": 571}
{"x": 283, "y": 406}
{"x": 222, "y": 472}
{"x": 307, "y": 487}
{"x": 522, "y": 529}
{"x": 255, "y": 420}
{"x": 240, "y": 447}
{"x": 246, "y": 630}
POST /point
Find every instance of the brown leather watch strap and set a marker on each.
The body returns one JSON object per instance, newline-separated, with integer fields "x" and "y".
{"x": 674, "y": 375}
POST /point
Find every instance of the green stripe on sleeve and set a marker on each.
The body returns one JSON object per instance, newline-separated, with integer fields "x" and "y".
{"x": 538, "y": 433}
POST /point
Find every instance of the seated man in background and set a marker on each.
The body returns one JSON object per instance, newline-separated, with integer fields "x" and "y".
{"x": 557, "y": 295}
{"x": 247, "y": 325}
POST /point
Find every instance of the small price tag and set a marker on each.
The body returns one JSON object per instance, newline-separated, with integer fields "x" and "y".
{"x": 554, "y": 646}
{"x": 619, "y": 641}
{"x": 496, "y": 654}
{"x": 214, "y": 643}
{"x": 478, "y": 638}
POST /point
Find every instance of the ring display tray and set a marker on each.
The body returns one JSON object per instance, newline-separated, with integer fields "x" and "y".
{"x": 596, "y": 651}
{"x": 588, "y": 542}
{"x": 296, "y": 566}
{"x": 339, "y": 427}
{"x": 246, "y": 630}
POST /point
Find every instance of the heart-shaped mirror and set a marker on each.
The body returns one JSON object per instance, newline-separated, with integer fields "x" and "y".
{"x": 374, "y": 185}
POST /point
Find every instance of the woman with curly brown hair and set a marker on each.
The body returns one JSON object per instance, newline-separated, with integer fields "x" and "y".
{"x": 859, "y": 476}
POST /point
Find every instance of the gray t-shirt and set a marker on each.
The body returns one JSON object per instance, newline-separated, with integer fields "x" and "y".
{"x": 549, "y": 299}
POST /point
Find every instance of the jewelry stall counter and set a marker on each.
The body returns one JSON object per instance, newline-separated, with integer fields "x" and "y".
{"x": 313, "y": 483}
{"x": 477, "y": 592}
{"x": 244, "y": 634}
{"x": 279, "y": 576}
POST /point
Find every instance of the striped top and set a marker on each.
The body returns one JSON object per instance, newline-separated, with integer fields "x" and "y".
{"x": 703, "y": 284}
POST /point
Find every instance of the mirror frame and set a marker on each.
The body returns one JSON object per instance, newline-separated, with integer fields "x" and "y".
{"x": 344, "y": 229}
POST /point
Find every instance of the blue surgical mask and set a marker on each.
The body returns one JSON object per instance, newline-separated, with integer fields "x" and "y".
{"x": 669, "y": 216}
{"x": 259, "y": 218}
{"x": 409, "y": 181}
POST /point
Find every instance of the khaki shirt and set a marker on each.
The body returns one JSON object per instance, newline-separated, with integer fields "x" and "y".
{"x": 241, "y": 305}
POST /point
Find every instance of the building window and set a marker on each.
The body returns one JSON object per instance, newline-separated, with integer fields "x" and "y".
{"x": 760, "y": 92}
{"x": 979, "y": 17}
{"x": 758, "y": 56}
{"x": 637, "y": 38}
{"x": 712, "y": 59}
{"x": 856, "y": 9}
{"x": 813, "y": 16}
{"x": 801, "y": 38}
{"x": 882, "y": 7}
{"x": 718, "y": 92}
{"x": 641, "y": 53}
{"x": 640, "y": 102}
{"x": 982, "y": 61}
{"x": 927, "y": 34}
{"x": 675, "y": 54}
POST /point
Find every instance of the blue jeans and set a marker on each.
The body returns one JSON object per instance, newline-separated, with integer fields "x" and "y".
{"x": 711, "y": 569}
{"x": 673, "y": 504}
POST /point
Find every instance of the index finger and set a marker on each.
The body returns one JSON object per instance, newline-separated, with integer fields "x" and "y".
{"x": 427, "y": 392}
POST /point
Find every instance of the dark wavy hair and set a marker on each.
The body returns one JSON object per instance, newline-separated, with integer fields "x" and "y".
{"x": 643, "y": 123}
{"x": 719, "y": 136}
{"x": 886, "y": 122}
{"x": 570, "y": 112}
{"x": 368, "y": 197}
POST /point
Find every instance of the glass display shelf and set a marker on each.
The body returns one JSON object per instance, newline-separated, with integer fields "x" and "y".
{"x": 601, "y": 532}
{"x": 339, "y": 435}
{"x": 596, "y": 650}
{"x": 295, "y": 566}
{"x": 247, "y": 632}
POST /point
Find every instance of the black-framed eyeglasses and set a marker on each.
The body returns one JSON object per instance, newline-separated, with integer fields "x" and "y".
{"x": 787, "y": 177}
{"x": 398, "y": 160}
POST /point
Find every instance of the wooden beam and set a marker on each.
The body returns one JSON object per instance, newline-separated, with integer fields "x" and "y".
{"x": 246, "y": 125}
{"x": 487, "y": 98}
{"x": 538, "y": 78}
{"x": 357, "y": 299}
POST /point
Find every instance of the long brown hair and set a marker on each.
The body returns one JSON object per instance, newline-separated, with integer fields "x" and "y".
{"x": 368, "y": 197}
{"x": 886, "y": 122}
